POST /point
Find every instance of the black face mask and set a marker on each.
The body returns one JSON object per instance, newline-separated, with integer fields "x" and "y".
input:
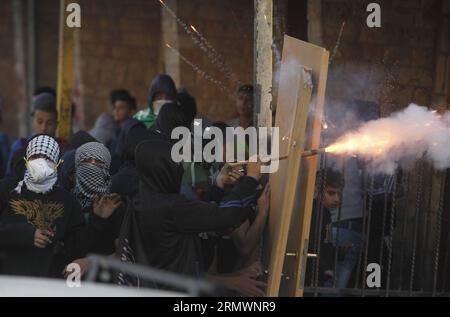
{"x": 157, "y": 171}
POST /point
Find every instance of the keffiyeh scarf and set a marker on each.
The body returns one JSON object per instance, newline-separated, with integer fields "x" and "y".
{"x": 92, "y": 179}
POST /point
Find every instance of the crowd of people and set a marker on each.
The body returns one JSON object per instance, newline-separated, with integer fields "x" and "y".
{"x": 114, "y": 190}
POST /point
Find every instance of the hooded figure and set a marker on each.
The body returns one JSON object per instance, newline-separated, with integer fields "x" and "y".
{"x": 127, "y": 127}
{"x": 66, "y": 175}
{"x": 125, "y": 181}
{"x": 170, "y": 117}
{"x": 42, "y": 228}
{"x": 118, "y": 144}
{"x": 162, "y": 227}
{"x": 92, "y": 162}
{"x": 188, "y": 106}
{"x": 104, "y": 129}
{"x": 78, "y": 139}
{"x": 162, "y": 91}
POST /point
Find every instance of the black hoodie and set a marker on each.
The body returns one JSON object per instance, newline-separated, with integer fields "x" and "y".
{"x": 170, "y": 117}
{"x": 162, "y": 84}
{"x": 168, "y": 223}
{"x": 126, "y": 181}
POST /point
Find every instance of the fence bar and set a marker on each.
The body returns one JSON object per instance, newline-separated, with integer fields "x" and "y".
{"x": 416, "y": 227}
{"x": 383, "y": 227}
{"x": 336, "y": 251}
{"x": 363, "y": 233}
{"x": 438, "y": 232}
{"x": 367, "y": 237}
{"x": 319, "y": 236}
{"x": 391, "y": 233}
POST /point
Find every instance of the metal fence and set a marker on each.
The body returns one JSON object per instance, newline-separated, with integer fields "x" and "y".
{"x": 404, "y": 229}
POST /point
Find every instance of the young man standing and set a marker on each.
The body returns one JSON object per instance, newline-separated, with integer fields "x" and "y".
{"x": 44, "y": 121}
{"x": 123, "y": 104}
{"x": 162, "y": 91}
{"x": 327, "y": 199}
{"x": 244, "y": 108}
{"x": 123, "y": 108}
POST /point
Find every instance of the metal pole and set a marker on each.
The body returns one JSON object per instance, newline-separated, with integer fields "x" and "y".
{"x": 391, "y": 232}
{"x": 367, "y": 237}
{"x": 404, "y": 237}
{"x": 363, "y": 230}
{"x": 263, "y": 62}
{"x": 338, "y": 231}
{"x": 416, "y": 227}
{"x": 319, "y": 236}
{"x": 383, "y": 227}
{"x": 438, "y": 232}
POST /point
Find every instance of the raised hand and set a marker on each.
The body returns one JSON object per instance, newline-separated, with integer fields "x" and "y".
{"x": 228, "y": 176}
{"x": 104, "y": 207}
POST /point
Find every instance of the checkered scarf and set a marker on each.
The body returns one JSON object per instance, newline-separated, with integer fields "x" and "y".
{"x": 92, "y": 180}
{"x": 41, "y": 145}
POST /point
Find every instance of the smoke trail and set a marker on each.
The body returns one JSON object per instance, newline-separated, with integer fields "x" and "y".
{"x": 202, "y": 73}
{"x": 405, "y": 136}
{"x": 215, "y": 57}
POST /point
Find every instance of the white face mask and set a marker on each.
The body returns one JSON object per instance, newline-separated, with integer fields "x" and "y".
{"x": 41, "y": 169}
{"x": 157, "y": 105}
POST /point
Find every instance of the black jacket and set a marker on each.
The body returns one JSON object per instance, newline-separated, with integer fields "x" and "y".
{"x": 21, "y": 214}
{"x": 170, "y": 227}
{"x": 167, "y": 224}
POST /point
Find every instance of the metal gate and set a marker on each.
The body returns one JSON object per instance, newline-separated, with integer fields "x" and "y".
{"x": 404, "y": 232}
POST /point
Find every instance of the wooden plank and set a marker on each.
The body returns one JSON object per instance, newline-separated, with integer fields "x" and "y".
{"x": 286, "y": 187}
{"x": 293, "y": 184}
{"x": 65, "y": 75}
{"x": 309, "y": 169}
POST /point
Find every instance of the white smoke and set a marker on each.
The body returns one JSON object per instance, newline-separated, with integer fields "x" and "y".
{"x": 405, "y": 136}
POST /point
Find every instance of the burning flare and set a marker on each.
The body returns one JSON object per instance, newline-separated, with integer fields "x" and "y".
{"x": 403, "y": 137}
{"x": 353, "y": 144}
{"x": 194, "y": 29}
